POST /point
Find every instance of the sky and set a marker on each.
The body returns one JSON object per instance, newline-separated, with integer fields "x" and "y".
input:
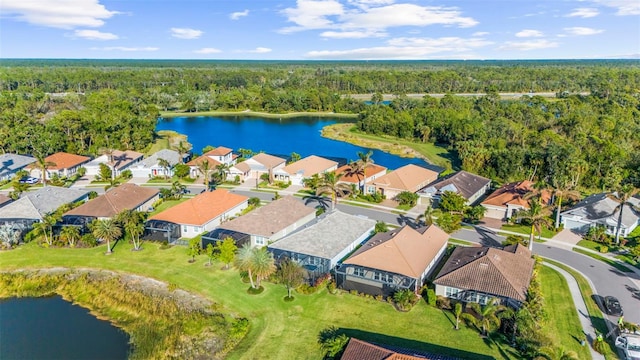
{"x": 320, "y": 29}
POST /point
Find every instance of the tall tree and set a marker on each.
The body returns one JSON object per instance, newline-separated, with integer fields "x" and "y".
{"x": 244, "y": 262}
{"x": 622, "y": 196}
{"x": 107, "y": 229}
{"x": 291, "y": 274}
{"x": 562, "y": 189}
{"x": 135, "y": 230}
{"x": 44, "y": 165}
{"x": 204, "y": 168}
{"x": 263, "y": 264}
{"x": 329, "y": 184}
{"x": 183, "y": 149}
{"x": 46, "y": 226}
{"x": 166, "y": 166}
{"x": 364, "y": 159}
{"x": 537, "y": 216}
{"x": 426, "y": 216}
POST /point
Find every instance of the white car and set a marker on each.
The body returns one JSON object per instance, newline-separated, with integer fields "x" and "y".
{"x": 630, "y": 345}
{"x": 29, "y": 180}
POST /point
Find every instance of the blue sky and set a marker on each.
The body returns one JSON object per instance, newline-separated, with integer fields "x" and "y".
{"x": 320, "y": 29}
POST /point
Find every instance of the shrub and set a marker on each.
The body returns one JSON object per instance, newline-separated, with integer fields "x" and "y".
{"x": 431, "y": 297}
{"x": 254, "y": 201}
{"x": 89, "y": 240}
{"x": 599, "y": 345}
{"x": 443, "y": 303}
{"x": 332, "y": 287}
{"x": 306, "y": 289}
{"x": 405, "y": 299}
{"x": 604, "y": 249}
{"x": 407, "y": 198}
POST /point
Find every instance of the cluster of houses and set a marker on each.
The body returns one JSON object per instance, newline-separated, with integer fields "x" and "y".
{"x": 334, "y": 242}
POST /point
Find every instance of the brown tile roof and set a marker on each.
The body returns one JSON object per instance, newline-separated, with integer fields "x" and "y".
{"x": 489, "y": 270}
{"x": 361, "y": 350}
{"x": 4, "y": 200}
{"x": 63, "y": 160}
{"x": 202, "y": 158}
{"x": 219, "y": 151}
{"x": 467, "y": 183}
{"x": 512, "y": 194}
{"x": 309, "y": 166}
{"x": 242, "y": 167}
{"x": 408, "y": 178}
{"x": 271, "y": 218}
{"x": 202, "y": 208}
{"x": 372, "y": 169}
{"x": 269, "y": 161}
{"x": 123, "y": 158}
{"x": 124, "y": 197}
{"x": 406, "y": 251}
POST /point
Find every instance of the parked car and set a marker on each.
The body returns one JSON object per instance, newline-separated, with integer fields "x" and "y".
{"x": 29, "y": 180}
{"x": 612, "y": 306}
{"x": 630, "y": 345}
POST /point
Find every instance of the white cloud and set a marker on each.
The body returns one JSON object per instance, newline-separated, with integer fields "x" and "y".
{"x": 238, "y": 14}
{"x": 408, "y": 48}
{"x": 528, "y": 45}
{"x": 186, "y": 33}
{"x": 529, "y": 33}
{"x": 480, "y": 33}
{"x": 625, "y": 7}
{"x": 372, "y": 16}
{"x": 582, "y": 31}
{"x": 207, "y": 51}
{"x": 65, "y": 14}
{"x": 352, "y": 34}
{"x": 584, "y": 13}
{"x": 124, "y": 48}
{"x": 260, "y": 50}
{"x": 94, "y": 35}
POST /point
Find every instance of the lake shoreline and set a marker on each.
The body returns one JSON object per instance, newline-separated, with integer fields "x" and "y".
{"x": 249, "y": 113}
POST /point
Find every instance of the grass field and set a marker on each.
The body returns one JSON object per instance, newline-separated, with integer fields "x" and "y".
{"x": 279, "y": 330}
{"x": 526, "y": 230}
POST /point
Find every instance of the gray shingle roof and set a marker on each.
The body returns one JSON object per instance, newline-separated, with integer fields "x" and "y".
{"x": 601, "y": 209}
{"x": 10, "y": 163}
{"x": 173, "y": 157}
{"x": 36, "y": 204}
{"x": 327, "y": 236}
{"x": 462, "y": 182}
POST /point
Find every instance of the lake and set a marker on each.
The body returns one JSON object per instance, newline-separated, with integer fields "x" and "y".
{"x": 52, "y": 328}
{"x": 274, "y": 136}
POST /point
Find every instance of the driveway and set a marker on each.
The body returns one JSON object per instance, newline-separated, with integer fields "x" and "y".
{"x": 568, "y": 237}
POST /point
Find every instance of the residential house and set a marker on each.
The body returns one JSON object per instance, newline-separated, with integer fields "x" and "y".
{"x": 215, "y": 157}
{"x": 304, "y": 169}
{"x": 10, "y": 164}
{"x": 407, "y": 178}
{"x": 62, "y": 164}
{"x": 601, "y": 209}
{"x": 394, "y": 260}
{"x": 256, "y": 166}
{"x": 124, "y": 197}
{"x": 195, "y": 216}
{"x": 373, "y": 171}
{"x": 151, "y": 167}
{"x": 320, "y": 245}
{"x": 4, "y": 200}
{"x": 118, "y": 161}
{"x": 361, "y": 350}
{"x": 479, "y": 274}
{"x": 33, "y": 206}
{"x": 265, "y": 224}
{"x": 470, "y": 186}
{"x": 507, "y": 200}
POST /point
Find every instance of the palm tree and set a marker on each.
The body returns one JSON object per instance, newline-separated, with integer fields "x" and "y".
{"x": 46, "y": 226}
{"x": 365, "y": 160}
{"x": 108, "y": 230}
{"x": 355, "y": 169}
{"x": 329, "y": 184}
{"x": 551, "y": 353}
{"x": 135, "y": 230}
{"x": 244, "y": 261}
{"x": 622, "y": 196}
{"x": 165, "y": 165}
{"x": 537, "y": 216}
{"x": 70, "y": 234}
{"x": 263, "y": 264}
{"x": 43, "y": 164}
{"x": 204, "y": 167}
{"x": 427, "y": 216}
{"x": 182, "y": 148}
{"x": 487, "y": 317}
{"x": 562, "y": 189}
{"x": 457, "y": 312}
{"x": 222, "y": 170}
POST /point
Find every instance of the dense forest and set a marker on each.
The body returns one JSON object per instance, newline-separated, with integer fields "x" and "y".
{"x": 587, "y": 136}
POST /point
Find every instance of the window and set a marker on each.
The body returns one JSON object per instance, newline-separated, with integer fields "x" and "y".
{"x": 259, "y": 240}
{"x": 451, "y": 292}
{"x": 358, "y": 272}
{"x": 384, "y": 277}
{"x": 185, "y": 228}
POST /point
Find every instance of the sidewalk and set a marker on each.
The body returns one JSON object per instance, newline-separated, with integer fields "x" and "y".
{"x": 581, "y": 307}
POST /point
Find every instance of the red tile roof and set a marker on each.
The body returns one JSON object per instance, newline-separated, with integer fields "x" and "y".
{"x": 219, "y": 151}
{"x": 202, "y": 158}
{"x": 372, "y": 169}
{"x": 361, "y": 350}
{"x": 63, "y": 160}
{"x": 513, "y": 194}
{"x": 201, "y": 209}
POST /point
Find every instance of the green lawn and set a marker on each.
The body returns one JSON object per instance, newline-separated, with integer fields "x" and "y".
{"x": 462, "y": 242}
{"x": 167, "y": 204}
{"x": 610, "y": 262}
{"x": 526, "y": 230}
{"x": 279, "y": 330}
{"x": 565, "y": 326}
{"x": 596, "y": 246}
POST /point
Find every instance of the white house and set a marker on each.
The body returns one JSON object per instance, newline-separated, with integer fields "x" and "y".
{"x": 304, "y": 169}
{"x": 10, "y": 164}
{"x": 600, "y": 209}
{"x": 468, "y": 185}
{"x": 256, "y": 166}
{"x": 150, "y": 167}
{"x": 117, "y": 162}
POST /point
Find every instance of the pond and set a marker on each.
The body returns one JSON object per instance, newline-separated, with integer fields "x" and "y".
{"x": 52, "y": 328}
{"x": 274, "y": 136}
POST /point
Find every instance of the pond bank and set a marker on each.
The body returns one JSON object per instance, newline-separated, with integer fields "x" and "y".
{"x": 163, "y": 322}
{"x": 169, "y": 114}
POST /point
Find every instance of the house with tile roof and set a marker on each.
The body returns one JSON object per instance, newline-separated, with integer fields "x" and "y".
{"x": 124, "y": 197}
{"x": 394, "y": 260}
{"x": 510, "y": 198}
{"x": 407, "y": 178}
{"x": 361, "y": 350}
{"x": 215, "y": 157}
{"x": 62, "y": 164}
{"x": 602, "y": 210}
{"x": 265, "y": 224}
{"x": 373, "y": 171}
{"x": 470, "y": 186}
{"x": 118, "y": 161}
{"x": 479, "y": 274}
{"x": 150, "y": 166}
{"x": 4, "y": 200}
{"x": 10, "y": 164}
{"x": 195, "y": 216}
{"x": 33, "y": 206}
{"x": 319, "y": 245}
{"x": 304, "y": 169}
{"x": 256, "y": 166}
